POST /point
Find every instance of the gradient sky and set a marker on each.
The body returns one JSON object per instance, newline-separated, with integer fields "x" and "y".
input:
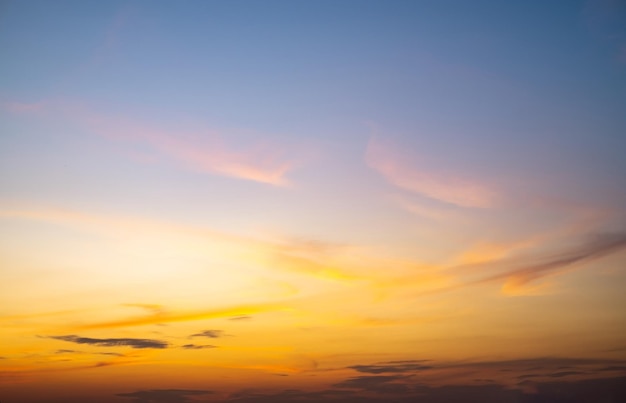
{"x": 303, "y": 201}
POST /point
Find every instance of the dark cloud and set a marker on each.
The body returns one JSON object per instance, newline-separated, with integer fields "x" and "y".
{"x": 290, "y": 395}
{"x": 565, "y": 373}
{"x": 392, "y": 367}
{"x": 164, "y": 395}
{"x": 242, "y": 317}
{"x": 536, "y": 364}
{"x": 621, "y": 368}
{"x": 529, "y": 367}
{"x": 197, "y": 347}
{"x": 134, "y": 343}
{"x": 609, "y": 390}
{"x": 63, "y": 351}
{"x": 213, "y": 334}
{"x": 612, "y": 390}
{"x": 114, "y": 354}
{"x": 379, "y": 384}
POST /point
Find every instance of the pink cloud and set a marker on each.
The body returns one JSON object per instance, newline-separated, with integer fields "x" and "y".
{"x": 259, "y": 164}
{"x": 400, "y": 169}
{"x": 205, "y": 152}
{"x": 200, "y": 152}
{"x": 22, "y": 107}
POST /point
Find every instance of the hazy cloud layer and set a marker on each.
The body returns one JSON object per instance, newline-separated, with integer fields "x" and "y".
{"x": 164, "y": 395}
{"x": 377, "y": 383}
{"x": 113, "y": 342}
{"x": 372, "y": 390}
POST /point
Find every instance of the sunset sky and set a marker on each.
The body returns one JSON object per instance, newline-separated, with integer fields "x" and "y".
{"x": 306, "y": 201}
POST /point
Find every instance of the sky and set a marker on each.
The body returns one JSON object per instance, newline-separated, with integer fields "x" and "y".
{"x": 306, "y": 201}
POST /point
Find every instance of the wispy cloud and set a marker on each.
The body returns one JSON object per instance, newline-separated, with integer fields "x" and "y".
{"x": 312, "y": 258}
{"x": 113, "y": 342}
{"x": 392, "y": 367}
{"x": 213, "y": 334}
{"x": 204, "y": 151}
{"x": 387, "y": 384}
{"x": 403, "y": 171}
{"x": 197, "y": 346}
{"x": 22, "y": 107}
{"x": 184, "y": 316}
{"x": 164, "y": 395}
{"x": 200, "y": 151}
{"x": 595, "y": 247}
{"x": 64, "y": 351}
{"x": 241, "y": 318}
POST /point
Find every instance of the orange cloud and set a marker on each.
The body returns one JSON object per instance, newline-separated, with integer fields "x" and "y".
{"x": 165, "y": 317}
{"x": 311, "y": 258}
{"x": 522, "y": 280}
{"x": 400, "y": 170}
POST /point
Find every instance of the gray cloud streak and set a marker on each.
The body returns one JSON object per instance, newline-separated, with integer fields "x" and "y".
{"x": 112, "y": 342}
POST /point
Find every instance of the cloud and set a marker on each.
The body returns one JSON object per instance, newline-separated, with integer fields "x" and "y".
{"x": 134, "y": 343}
{"x": 241, "y": 318}
{"x": 392, "y": 367}
{"x": 164, "y": 395}
{"x": 508, "y": 372}
{"x": 204, "y": 152}
{"x": 594, "y": 247}
{"x": 184, "y": 316}
{"x": 581, "y": 391}
{"x": 307, "y": 257}
{"x": 401, "y": 170}
{"x": 197, "y": 347}
{"x": 293, "y": 395}
{"x": 561, "y": 374}
{"x": 537, "y": 363}
{"x": 209, "y": 333}
{"x": 263, "y": 164}
{"x": 64, "y": 351}
{"x": 22, "y": 107}
{"x": 370, "y": 383}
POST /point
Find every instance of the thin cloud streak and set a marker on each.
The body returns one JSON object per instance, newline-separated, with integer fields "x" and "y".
{"x": 113, "y": 342}
{"x": 262, "y": 164}
{"x": 400, "y": 170}
{"x": 213, "y": 334}
{"x": 197, "y": 346}
{"x": 594, "y": 248}
{"x": 164, "y": 395}
{"x": 204, "y": 152}
{"x": 185, "y": 317}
